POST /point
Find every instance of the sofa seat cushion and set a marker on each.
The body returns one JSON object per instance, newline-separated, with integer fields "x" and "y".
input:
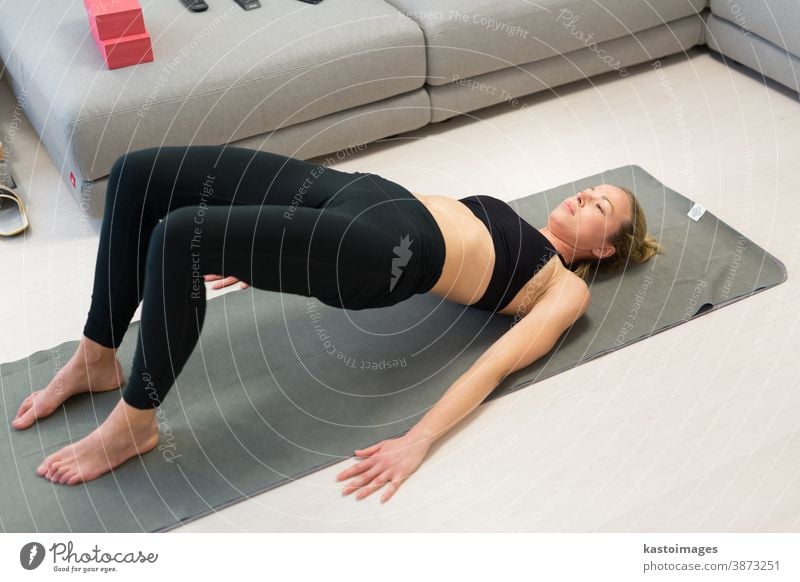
{"x": 218, "y": 76}
{"x": 506, "y": 85}
{"x": 777, "y": 21}
{"x": 471, "y": 37}
{"x": 749, "y": 49}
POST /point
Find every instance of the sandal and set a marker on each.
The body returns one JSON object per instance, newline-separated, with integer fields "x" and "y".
{"x": 12, "y": 220}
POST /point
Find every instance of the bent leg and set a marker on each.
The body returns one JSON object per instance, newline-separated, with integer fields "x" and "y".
{"x": 340, "y": 254}
{"x": 145, "y": 185}
{"x": 189, "y": 242}
{"x": 255, "y": 243}
{"x": 134, "y": 243}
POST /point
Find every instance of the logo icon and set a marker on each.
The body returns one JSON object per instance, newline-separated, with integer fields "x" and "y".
{"x": 31, "y": 555}
{"x": 403, "y": 253}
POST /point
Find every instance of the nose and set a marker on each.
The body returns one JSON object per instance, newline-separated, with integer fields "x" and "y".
{"x": 583, "y": 198}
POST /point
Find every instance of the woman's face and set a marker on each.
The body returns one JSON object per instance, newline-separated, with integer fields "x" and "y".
{"x": 589, "y": 219}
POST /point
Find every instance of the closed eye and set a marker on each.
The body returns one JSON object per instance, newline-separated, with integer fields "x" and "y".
{"x": 601, "y": 209}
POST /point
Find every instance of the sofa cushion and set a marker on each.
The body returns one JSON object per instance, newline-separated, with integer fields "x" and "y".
{"x": 335, "y": 136}
{"x": 504, "y": 86}
{"x": 218, "y": 76}
{"x": 753, "y": 51}
{"x": 777, "y": 21}
{"x": 470, "y": 37}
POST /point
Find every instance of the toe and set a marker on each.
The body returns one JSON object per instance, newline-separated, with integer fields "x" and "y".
{"x": 26, "y": 404}
{"x": 55, "y": 470}
{"x": 52, "y": 468}
{"x": 62, "y": 474}
{"x": 49, "y": 471}
{"x": 50, "y": 463}
{"x": 38, "y": 407}
{"x": 44, "y": 467}
{"x": 25, "y": 420}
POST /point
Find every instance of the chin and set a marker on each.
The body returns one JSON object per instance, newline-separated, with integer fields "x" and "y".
{"x": 561, "y": 219}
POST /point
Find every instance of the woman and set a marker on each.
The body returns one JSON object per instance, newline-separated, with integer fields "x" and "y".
{"x": 176, "y": 217}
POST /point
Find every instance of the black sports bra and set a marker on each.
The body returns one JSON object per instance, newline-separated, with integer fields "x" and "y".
{"x": 520, "y": 250}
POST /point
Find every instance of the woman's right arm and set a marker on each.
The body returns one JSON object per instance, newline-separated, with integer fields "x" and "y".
{"x": 529, "y": 339}
{"x": 393, "y": 461}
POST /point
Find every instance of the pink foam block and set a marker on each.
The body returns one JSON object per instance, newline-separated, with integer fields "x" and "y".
{"x": 119, "y": 32}
{"x": 126, "y": 50}
{"x": 114, "y": 18}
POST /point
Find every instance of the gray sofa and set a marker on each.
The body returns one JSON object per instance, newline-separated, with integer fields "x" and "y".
{"x": 761, "y": 34}
{"x": 307, "y": 80}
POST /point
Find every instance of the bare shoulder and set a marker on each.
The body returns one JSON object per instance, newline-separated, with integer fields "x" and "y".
{"x": 571, "y": 291}
{"x": 579, "y": 285}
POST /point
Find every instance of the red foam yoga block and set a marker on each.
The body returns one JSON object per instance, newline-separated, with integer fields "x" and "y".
{"x": 126, "y": 50}
{"x": 114, "y": 18}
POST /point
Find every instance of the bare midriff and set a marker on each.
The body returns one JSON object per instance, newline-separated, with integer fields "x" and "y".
{"x": 469, "y": 258}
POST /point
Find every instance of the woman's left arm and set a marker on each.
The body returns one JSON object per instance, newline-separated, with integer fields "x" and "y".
{"x": 392, "y": 461}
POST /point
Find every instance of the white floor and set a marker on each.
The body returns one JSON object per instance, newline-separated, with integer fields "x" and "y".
{"x": 695, "y": 429}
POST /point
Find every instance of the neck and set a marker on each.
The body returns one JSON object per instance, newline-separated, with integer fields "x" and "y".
{"x": 570, "y": 253}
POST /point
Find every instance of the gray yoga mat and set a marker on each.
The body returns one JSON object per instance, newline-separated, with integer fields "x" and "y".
{"x": 282, "y": 385}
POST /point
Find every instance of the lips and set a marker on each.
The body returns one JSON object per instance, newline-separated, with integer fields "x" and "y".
{"x": 570, "y": 207}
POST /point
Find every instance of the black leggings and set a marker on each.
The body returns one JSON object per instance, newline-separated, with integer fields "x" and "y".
{"x": 174, "y": 214}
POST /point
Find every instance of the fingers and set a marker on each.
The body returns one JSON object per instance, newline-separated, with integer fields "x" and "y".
{"x": 209, "y": 278}
{"x": 376, "y": 484}
{"x": 354, "y": 470}
{"x": 363, "y": 482}
{"x": 390, "y": 489}
{"x": 368, "y": 450}
{"x": 225, "y": 281}
{"x": 230, "y": 281}
{"x": 375, "y": 473}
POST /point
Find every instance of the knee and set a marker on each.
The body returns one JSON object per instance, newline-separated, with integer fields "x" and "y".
{"x": 173, "y": 237}
{"x": 128, "y": 178}
{"x": 178, "y": 225}
{"x": 133, "y": 163}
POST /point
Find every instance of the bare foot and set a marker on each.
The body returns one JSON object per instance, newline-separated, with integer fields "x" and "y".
{"x": 93, "y": 368}
{"x": 126, "y": 433}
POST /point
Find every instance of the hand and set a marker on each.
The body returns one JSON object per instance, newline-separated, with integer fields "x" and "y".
{"x": 391, "y": 461}
{"x": 225, "y": 282}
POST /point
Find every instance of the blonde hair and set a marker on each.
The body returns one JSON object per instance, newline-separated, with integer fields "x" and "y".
{"x": 631, "y": 243}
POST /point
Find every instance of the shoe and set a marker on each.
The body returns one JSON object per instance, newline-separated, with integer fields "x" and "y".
{"x": 13, "y": 216}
